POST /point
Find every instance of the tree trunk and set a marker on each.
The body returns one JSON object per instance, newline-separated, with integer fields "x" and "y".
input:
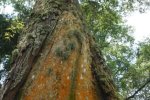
{"x": 57, "y": 58}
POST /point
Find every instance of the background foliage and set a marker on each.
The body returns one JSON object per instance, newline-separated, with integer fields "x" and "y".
{"x": 129, "y": 62}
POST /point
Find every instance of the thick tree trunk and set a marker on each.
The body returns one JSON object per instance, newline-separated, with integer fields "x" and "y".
{"x": 57, "y": 58}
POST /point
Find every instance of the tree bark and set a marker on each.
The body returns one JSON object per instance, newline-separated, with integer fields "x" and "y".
{"x": 58, "y": 58}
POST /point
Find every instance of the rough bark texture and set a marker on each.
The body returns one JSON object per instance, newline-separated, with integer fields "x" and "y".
{"x": 57, "y": 58}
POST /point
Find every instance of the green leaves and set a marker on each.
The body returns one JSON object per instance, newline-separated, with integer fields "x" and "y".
{"x": 104, "y": 19}
{"x": 10, "y": 30}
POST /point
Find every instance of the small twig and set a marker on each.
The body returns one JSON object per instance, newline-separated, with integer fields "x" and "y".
{"x": 132, "y": 96}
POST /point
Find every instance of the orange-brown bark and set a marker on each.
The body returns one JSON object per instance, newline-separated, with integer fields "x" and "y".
{"x": 54, "y": 78}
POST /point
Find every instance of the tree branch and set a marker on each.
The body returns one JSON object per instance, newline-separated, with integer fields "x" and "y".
{"x": 132, "y": 96}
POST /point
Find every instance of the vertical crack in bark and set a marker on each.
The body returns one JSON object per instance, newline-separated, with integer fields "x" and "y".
{"x": 74, "y": 74}
{"x": 73, "y": 81}
{"x": 102, "y": 75}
